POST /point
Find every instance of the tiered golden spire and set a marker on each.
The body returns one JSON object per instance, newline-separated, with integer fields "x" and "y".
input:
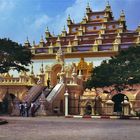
{"x": 27, "y": 43}
{"x": 58, "y": 41}
{"x": 138, "y": 29}
{"x": 108, "y": 7}
{"x": 84, "y": 19}
{"x": 64, "y": 32}
{"x": 88, "y": 9}
{"x": 47, "y": 32}
{"x": 34, "y": 44}
{"x": 122, "y": 16}
{"x": 69, "y": 21}
{"x": 47, "y": 29}
{"x": 41, "y": 40}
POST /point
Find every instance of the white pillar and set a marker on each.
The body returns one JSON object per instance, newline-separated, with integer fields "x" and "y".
{"x": 66, "y": 102}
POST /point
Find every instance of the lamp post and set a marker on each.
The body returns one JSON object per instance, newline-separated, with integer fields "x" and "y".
{"x": 66, "y": 102}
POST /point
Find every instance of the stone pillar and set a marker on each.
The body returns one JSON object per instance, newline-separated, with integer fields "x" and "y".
{"x": 82, "y": 111}
{"x": 93, "y": 111}
{"x": 125, "y": 107}
{"x": 66, "y": 102}
{"x": 109, "y": 107}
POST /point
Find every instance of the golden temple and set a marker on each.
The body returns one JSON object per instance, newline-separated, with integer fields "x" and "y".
{"x": 98, "y": 35}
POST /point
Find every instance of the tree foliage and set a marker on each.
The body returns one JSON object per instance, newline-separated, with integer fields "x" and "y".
{"x": 13, "y": 56}
{"x": 119, "y": 71}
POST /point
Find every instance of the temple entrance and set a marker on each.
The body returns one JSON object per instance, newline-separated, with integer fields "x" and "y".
{"x": 88, "y": 110}
{"x": 118, "y": 99}
{"x": 55, "y": 70}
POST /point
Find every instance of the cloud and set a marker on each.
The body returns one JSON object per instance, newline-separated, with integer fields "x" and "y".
{"x": 41, "y": 21}
{"x": 22, "y": 18}
{"x": 7, "y": 5}
{"x": 78, "y": 8}
{"x": 76, "y": 11}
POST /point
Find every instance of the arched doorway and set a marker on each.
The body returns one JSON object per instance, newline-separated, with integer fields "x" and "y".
{"x": 118, "y": 99}
{"x": 88, "y": 109}
{"x": 55, "y": 70}
{"x": 7, "y": 103}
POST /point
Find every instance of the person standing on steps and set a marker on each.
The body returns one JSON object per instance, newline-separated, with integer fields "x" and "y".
{"x": 21, "y": 108}
{"x": 48, "y": 83}
{"x": 26, "y": 109}
{"x": 33, "y": 109}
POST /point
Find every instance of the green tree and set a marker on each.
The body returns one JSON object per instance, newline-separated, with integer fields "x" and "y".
{"x": 119, "y": 72}
{"x": 13, "y": 56}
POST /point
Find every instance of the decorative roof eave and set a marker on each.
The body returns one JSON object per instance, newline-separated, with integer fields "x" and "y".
{"x": 92, "y": 23}
{"x": 97, "y": 12}
{"x": 77, "y": 55}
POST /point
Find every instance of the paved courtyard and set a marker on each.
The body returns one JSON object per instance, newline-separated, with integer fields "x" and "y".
{"x": 60, "y": 128}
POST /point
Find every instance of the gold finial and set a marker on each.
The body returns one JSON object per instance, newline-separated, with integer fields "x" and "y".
{"x": 41, "y": 40}
{"x": 108, "y": 7}
{"x": 27, "y": 40}
{"x": 122, "y": 13}
{"x": 88, "y": 10}
{"x": 33, "y": 43}
{"x": 69, "y": 17}
{"x": 58, "y": 39}
{"x": 122, "y": 16}
{"x": 84, "y": 18}
{"x": 64, "y": 29}
{"x": 121, "y": 25}
{"x": 47, "y": 32}
{"x": 47, "y": 29}
{"x": 27, "y": 43}
{"x": 69, "y": 22}
{"x": 138, "y": 29}
{"x": 53, "y": 33}
{"x": 118, "y": 35}
{"x": 88, "y": 5}
{"x": 108, "y": 3}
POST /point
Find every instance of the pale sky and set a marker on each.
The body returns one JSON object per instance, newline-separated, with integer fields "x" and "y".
{"x": 22, "y": 18}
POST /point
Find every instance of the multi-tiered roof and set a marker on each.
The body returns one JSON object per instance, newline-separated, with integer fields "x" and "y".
{"x": 98, "y": 34}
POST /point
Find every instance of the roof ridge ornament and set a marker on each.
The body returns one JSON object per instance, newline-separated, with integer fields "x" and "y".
{"x": 88, "y": 9}
{"x": 108, "y": 7}
{"x": 27, "y": 43}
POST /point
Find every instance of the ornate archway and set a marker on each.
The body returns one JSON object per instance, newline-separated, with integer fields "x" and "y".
{"x": 54, "y": 71}
{"x": 88, "y": 109}
{"x": 118, "y": 99}
{"x": 7, "y": 103}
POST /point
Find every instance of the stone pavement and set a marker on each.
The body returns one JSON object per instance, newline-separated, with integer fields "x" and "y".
{"x": 60, "y": 128}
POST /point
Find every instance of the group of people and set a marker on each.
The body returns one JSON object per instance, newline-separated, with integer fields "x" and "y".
{"x": 25, "y": 108}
